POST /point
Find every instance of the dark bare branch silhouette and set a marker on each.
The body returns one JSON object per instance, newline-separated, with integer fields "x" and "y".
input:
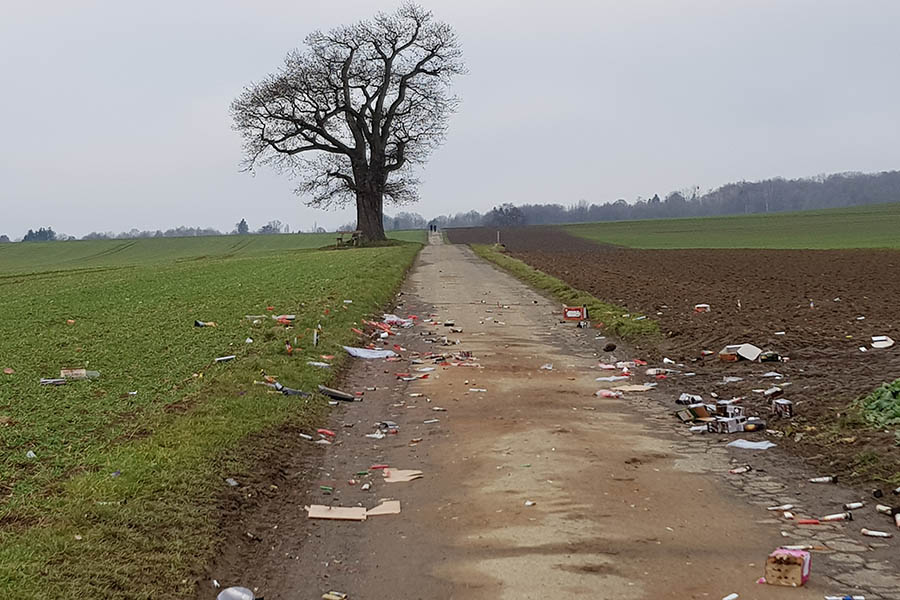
{"x": 349, "y": 115}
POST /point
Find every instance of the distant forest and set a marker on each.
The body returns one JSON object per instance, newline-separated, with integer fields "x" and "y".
{"x": 770, "y": 195}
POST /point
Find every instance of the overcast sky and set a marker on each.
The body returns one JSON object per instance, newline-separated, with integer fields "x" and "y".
{"x": 115, "y": 114}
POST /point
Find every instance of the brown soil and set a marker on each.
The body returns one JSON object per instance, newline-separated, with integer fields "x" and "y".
{"x": 814, "y": 296}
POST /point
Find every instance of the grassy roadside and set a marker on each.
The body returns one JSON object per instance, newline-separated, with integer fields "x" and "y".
{"x": 119, "y": 500}
{"x": 612, "y": 316}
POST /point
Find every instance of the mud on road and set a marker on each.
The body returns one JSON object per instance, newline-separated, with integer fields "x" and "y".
{"x": 828, "y": 303}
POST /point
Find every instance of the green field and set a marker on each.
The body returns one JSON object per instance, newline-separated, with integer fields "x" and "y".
{"x": 119, "y": 499}
{"x": 873, "y": 226}
{"x": 82, "y": 254}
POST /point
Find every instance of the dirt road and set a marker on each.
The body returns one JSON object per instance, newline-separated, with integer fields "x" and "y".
{"x": 532, "y": 488}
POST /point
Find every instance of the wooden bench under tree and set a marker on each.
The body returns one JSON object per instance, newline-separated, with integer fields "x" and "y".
{"x": 353, "y": 240}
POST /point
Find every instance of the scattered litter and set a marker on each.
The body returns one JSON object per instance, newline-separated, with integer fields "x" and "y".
{"x": 731, "y": 379}
{"x": 882, "y": 341}
{"x": 547, "y": 367}
{"x": 78, "y": 374}
{"x": 235, "y": 593}
{"x": 873, "y": 533}
{"x": 9, "y": 371}
{"x": 825, "y": 479}
{"x": 231, "y": 481}
{"x": 854, "y": 505}
{"x": 340, "y": 513}
{"x": 332, "y": 595}
{"x": 480, "y": 390}
{"x": 430, "y": 421}
{"x": 530, "y": 503}
{"x": 336, "y": 394}
{"x": 644, "y": 387}
{"x": 747, "y": 445}
{"x": 400, "y": 475}
{"x": 783, "y": 507}
{"x": 249, "y": 340}
{"x": 701, "y": 308}
{"x": 741, "y": 470}
{"x": 787, "y": 567}
{"x": 321, "y": 365}
{"x": 225, "y": 358}
{"x": 608, "y": 394}
{"x": 837, "y": 517}
{"x": 30, "y": 454}
{"x": 689, "y": 399}
{"x": 205, "y": 324}
{"x": 737, "y": 352}
{"x": 378, "y": 435}
{"x": 369, "y": 354}
{"x": 398, "y": 321}
{"x": 53, "y": 381}
{"x": 731, "y": 597}
{"x": 612, "y": 378}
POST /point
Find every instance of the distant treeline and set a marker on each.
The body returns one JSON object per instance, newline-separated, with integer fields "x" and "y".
{"x": 770, "y": 195}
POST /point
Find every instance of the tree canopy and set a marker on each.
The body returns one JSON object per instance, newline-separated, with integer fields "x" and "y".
{"x": 352, "y": 113}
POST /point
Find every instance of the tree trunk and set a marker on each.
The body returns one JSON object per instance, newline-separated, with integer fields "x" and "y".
{"x": 370, "y": 214}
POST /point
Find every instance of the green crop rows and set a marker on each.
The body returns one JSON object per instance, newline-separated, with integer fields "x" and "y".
{"x": 118, "y": 500}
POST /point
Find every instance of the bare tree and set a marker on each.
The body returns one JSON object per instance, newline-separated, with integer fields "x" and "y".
{"x": 351, "y": 114}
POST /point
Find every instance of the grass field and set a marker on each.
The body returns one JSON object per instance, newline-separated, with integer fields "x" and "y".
{"x": 118, "y": 500}
{"x": 84, "y": 254}
{"x": 874, "y": 226}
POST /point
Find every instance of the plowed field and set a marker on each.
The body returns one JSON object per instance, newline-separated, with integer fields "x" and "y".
{"x": 827, "y": 303}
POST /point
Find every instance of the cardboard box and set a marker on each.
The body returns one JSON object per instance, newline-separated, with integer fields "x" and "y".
{"x": 783, "y": 407}
{"x": 727, "y": 408}
{"x": 726, "y": 425}
{"x": 788, "y": 567}
{"x": 701, "y": 411}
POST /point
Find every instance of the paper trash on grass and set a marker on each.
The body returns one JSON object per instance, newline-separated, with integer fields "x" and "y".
{"x": 400, "y": 475}
{"x": 369, "y": 354}
{"x": 748, "y": 445}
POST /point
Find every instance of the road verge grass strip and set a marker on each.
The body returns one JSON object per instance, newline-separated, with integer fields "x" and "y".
{"x": 613, "y": 317}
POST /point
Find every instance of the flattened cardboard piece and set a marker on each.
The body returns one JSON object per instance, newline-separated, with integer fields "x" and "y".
{"x": 388, "y": 507}
{"x": 339, "y": 513}
{"x": 400, "y": 475}
{"x": 633, "y": 388}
